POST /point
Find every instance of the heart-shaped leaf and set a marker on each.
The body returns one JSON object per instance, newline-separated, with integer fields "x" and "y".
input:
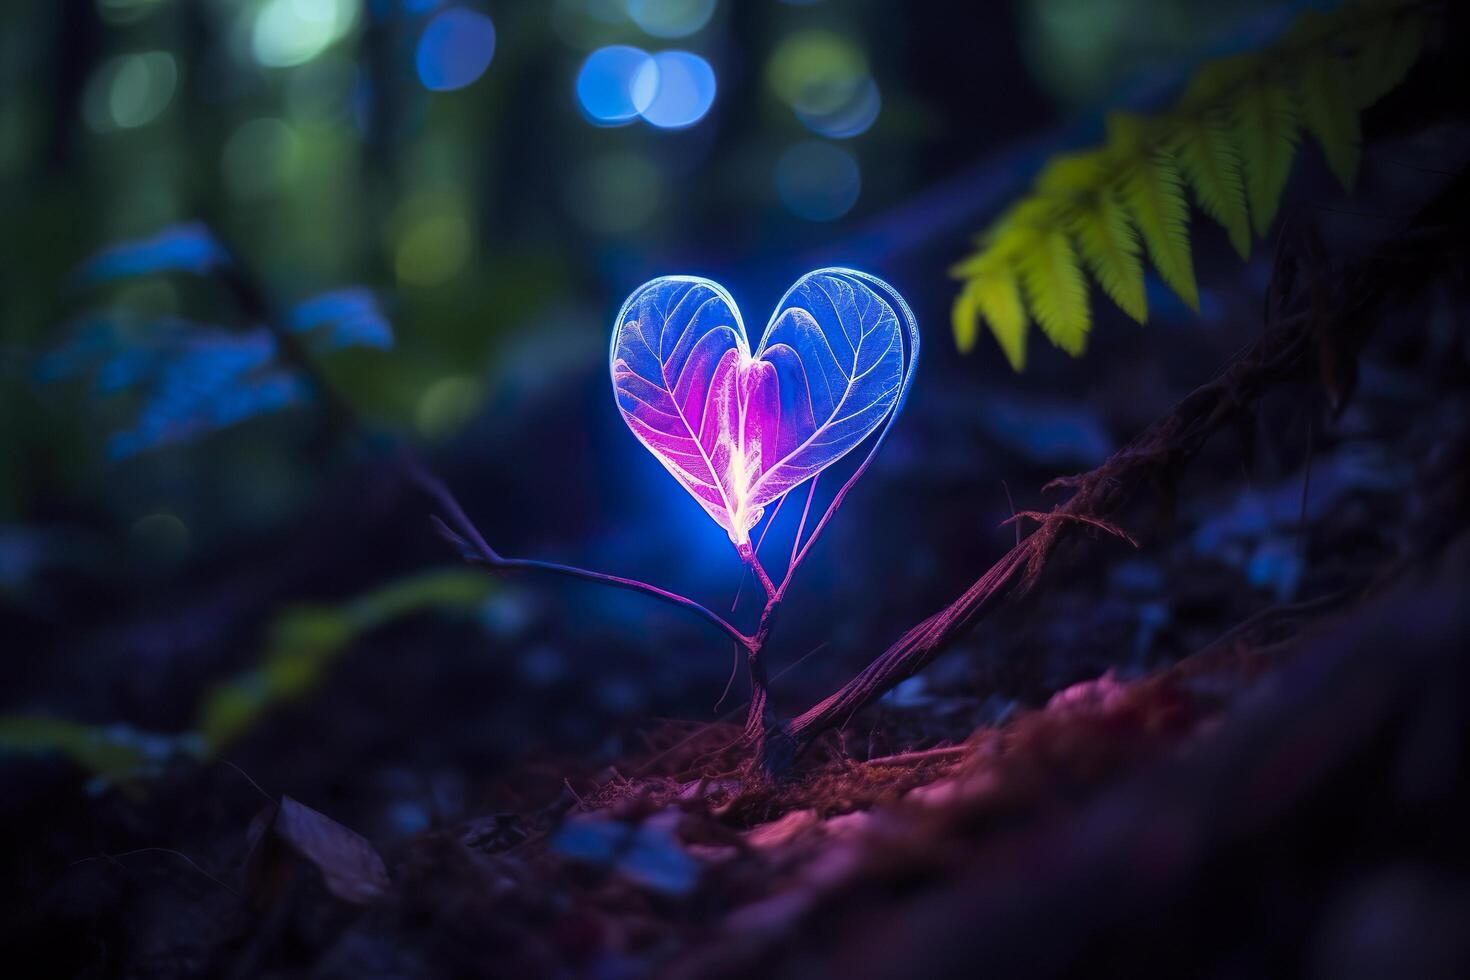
{"x": 740, "y": 430}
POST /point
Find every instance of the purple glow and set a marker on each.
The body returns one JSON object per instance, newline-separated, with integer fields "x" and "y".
{"x": 737, "y": 430}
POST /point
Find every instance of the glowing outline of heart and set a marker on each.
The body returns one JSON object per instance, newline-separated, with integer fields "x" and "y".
{"x": 746, "y": 514}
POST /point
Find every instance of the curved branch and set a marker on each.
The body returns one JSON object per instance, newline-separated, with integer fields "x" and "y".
{"x": 473, "y": 547}
{"x": 632, "y": 585}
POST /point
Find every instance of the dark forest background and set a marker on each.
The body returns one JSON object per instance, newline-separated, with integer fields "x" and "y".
{"x": 253, "y": 250}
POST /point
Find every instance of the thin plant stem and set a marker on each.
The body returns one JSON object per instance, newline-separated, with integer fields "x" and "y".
{"x": 760, "y": 718}
{"x": 473, "y": 546}
{"x": 758, "y": 542}
{"x": 796, "y": 541}
{"x": 747, "y": 555}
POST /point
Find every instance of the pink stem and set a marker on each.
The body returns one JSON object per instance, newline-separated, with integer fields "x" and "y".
{"x": 747, "y": 555}
{"x": 796, "y": 541}
{"x": 759, "y": 541}
{"x": 760, "y": 717}
{"x": 826, "y": 516}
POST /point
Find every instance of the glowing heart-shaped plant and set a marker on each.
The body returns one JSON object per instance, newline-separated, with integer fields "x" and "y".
{"x": 739, "y": 429}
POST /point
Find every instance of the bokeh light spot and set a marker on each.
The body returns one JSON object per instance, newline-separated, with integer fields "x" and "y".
{"x": 260, "y": 158}
{"x": 455, "y": 49}
{"x": 447, "y": 404}
{"x": 292, "y": 32}
{"x": 818, "y": 181}
{"x": 684, "y": 89}
{"x": 433, "y": 250}
{"x": 816, "y": 71}
{"x": 130, "y": 91}
{"x": 616, "y": 83}
{"x": 671, "y": 18}
{"x": 432, "y": 238}
{"x": 852, "y": 119}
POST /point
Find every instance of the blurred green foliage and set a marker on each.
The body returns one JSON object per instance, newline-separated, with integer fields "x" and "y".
{"x": 112, "y": 754}
{"x": 299, "y": 133}
{"x": 306, "y": 640}
{"x": 303, "y": 643}
{"x": 1230, "y": 139}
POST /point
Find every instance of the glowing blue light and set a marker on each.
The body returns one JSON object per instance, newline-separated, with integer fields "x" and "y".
{"x": 684, "y": 89}
{"x": 286, "y": 33}
{"x": 455, "y": 49}
{"x": 797, "y": 390}
{"x": 671, "y": 18}
{"x": 616, "y": 83}
{"x": 851, "y": 119}
{"x": 352, "y": 314}
{"x": 817, "y": 181}
{"x": 181, "y": 248}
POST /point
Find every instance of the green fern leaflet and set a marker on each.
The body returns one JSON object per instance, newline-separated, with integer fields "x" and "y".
{"x": 1229, "y": 143}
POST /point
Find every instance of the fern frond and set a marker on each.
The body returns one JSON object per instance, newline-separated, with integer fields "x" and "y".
{"x": 1205, "y": 149}
{"x": 1330, "y": 113}
{"x": 1110, "y": 248}
{"x": 1214, "y": 81}
{"x": 998, "y": 298}
{"x": 1265, "y": 126}
{"x": 1055, "y": 288}
{"x": 1092, "y": 214}
{"x": 1072, "y": 177}
{"x": 970, "y": 265}
{"x": 1231, "y": 138}
{"x": 1386, "y": 52}
{"x": 1152, "y": 192}
{"x": 991, "y": 291}
{"x": 964, "y": 317}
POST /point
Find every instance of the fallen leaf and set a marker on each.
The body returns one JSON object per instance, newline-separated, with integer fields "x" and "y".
{"x": 350, "y": 867}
